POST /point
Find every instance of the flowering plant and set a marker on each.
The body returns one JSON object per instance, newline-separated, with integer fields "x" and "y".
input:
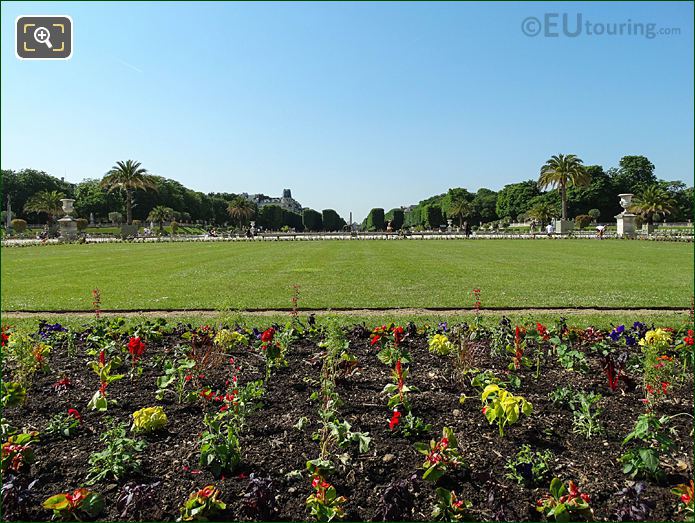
{"x": 202, "y": 504}
{"x": 103, "y": 370}
{"x": 324, "y": 503}
{"x": 65, "y": 425}
{"x": 136, "y": 348}
{"x": 75, "y": 505}
{"x": 449, "y": 507}
{"x": 686, "y": 494}
{"x": 17, "y": 451}
{"x": 502, "y": 407}
{"x": 441, "y": 456}
{"x": 564, "y": 503}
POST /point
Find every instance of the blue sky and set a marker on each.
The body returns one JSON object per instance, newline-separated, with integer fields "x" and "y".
{"x": 351, "y": 105}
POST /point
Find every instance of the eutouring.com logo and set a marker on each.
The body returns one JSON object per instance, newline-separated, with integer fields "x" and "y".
{"x": 555, "y": 25}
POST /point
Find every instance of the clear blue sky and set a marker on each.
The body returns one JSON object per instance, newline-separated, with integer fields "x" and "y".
{"x": 351, "y": 105}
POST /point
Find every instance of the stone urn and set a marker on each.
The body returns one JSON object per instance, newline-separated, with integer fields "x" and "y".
{"x": 66, "y": 225}
{"x": 625, "y": 200}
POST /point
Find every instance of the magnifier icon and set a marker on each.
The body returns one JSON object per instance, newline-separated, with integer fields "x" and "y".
{"x": 42, "y": 36}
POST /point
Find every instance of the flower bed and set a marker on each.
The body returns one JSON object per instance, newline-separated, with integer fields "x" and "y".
{"x": 309, "y": 421}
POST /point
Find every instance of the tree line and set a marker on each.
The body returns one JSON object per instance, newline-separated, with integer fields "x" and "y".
{"x": 565, "y": 188}
{"x": 128, "y": 193}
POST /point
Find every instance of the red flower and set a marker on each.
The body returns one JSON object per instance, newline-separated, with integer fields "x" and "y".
{"x": 689, "y": 339}
{"x": 6, "y": 337}
{"x": 664, "y": 386}
{"x": 685, "y": 499}
{"x": 188, "y": 378}
{"x": 398, "y": 335}
{"x": 585, "y": 497}
{"x": 76, "y": 498}
{"x": 395, "y": 419}
{"x": 206, "y": 492}
{"x": 73, "y": 413}
{"x": 484, "y": 410}
{"x": 136, "y": 348}
{"x": 268, "y": 335}
{"x": 224, "y": 408}
{"x": 375, "y": 340}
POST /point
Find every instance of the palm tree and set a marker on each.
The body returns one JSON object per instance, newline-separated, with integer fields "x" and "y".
{"x": 460, "y": 208}
{"x": 46, "y": 201}
{"x": 160, "y": 214}
{"x": 128, "y": 176}
{"x": 562, "y": 171}
{"x": 241, "y": 209}
{"x": 653, "y": 200}
{"x": 542, "y": 211}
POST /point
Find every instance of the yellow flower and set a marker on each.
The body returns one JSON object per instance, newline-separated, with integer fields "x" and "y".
{"x": 656, "y": 337}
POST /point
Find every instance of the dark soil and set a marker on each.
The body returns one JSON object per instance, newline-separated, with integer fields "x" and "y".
{"x": 273, "y": 448}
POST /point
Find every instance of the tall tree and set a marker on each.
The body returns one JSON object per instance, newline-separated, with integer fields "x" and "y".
{"x": 562, "y": 171}
{"x": 635, "y": 174}
{"x": 241, "y": 210}
{"x": 46, "y": 201}
{"x": 128, "y": 176}
{"x": 514, "y": 198}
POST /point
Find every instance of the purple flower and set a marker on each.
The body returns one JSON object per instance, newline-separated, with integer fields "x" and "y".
{"x": 630, "y": 341}
{"x": 443, "y": 327}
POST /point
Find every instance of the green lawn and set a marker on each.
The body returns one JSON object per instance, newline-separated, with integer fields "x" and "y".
{"x": 436, "y": 273}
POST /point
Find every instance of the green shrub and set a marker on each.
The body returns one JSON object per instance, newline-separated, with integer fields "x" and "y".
{"x": 332, "y": 220}
{"x": 19, "y": 225}
{"x": 375, "y": 220}
{"x": 312, "y": 220}
{"x": 582, "y": 220}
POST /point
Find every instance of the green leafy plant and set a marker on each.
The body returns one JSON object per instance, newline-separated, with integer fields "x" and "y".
{"x": 78, "y": 505}
{"x": 341, "y": 431}
{"x": 220, "y": 449}
{"x": 411, "y": 425}
{"x": 202, "y": 504}
{"x": 13, "y": 393}
{"x": 324, "y": 504}
{"x": 441, "y": 456}
{"x": 502, "y": 407}
{"x": 65, "y": 425}
{"x": 449, "y": 507}
{"x": 119, "y": 458}
{"x": 585, "y": 415}
{"x": 564, "y": 502}
{"x": 529, "y": 467}
{"x": 179, "y": 374}
{"x": 644, "y": 460}
{"x": 228, "y": 339}
{"x": 149, "y": 419}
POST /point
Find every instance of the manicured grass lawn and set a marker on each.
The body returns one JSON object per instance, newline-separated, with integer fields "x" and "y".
{"x": 510, "y": 273}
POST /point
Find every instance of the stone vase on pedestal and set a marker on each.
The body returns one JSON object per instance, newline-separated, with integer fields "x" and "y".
{"x": 67, "y": 226}
{"x": 626, "y": 227}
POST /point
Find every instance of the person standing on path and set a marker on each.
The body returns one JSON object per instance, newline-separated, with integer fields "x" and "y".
{"x": 550, "y": 229}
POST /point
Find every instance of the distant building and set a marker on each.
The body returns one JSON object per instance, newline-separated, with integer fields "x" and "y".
{"x": 286, "y": 201}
